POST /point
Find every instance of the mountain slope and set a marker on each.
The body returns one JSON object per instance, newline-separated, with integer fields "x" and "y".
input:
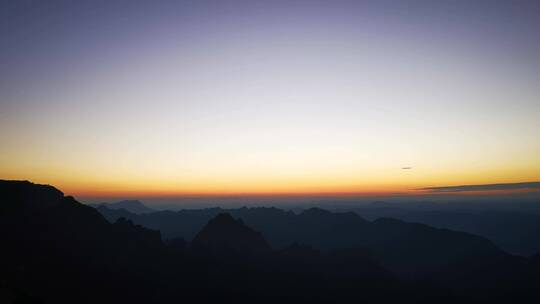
{"x": 55, "y": 247}
{"x": 520, "y": 233}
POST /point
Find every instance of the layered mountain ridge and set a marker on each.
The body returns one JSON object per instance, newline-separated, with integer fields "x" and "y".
{"x": 57, "y": 250}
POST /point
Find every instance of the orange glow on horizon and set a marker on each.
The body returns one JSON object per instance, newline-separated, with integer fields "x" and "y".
{"x": 403, "y": 193}
{"x": 148, "y": 190}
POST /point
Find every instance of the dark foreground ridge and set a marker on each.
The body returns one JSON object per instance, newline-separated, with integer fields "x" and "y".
{"x": 56, "y": 250}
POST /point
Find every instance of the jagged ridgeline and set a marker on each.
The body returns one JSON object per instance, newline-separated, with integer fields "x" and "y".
{"x": 409, "y": 250}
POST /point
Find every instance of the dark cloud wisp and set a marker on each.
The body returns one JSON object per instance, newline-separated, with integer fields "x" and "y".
{"x": 485, "y": 187}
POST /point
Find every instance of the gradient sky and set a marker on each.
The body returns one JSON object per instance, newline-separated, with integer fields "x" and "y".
{"x": 194, "y": 97}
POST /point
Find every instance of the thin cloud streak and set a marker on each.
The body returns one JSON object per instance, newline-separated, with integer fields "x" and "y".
{"x": 485, "y": 187}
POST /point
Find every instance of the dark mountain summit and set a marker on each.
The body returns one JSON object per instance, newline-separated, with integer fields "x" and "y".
{"x": 24, "y": 195}
{"x": 132, "y": 206}
{"x": 224, "y": 232}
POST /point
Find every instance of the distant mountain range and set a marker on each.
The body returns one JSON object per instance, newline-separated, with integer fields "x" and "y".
{"x": 56, "y": 250}
{"x": 132, "y": 206}
{"x": 514, "y": 230}
{"x": 408, "y": 249}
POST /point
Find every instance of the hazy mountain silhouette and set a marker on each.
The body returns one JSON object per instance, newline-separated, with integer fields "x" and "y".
{"x": 405, "y": 248}
{"x": 132, "y": 206}
{"x": 520, "y": 233}
{"x": 517, "y": 232}
{"x": 56, "y": 250}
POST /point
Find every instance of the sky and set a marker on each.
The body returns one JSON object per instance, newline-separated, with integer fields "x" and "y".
{"x": 164, "y": 98}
